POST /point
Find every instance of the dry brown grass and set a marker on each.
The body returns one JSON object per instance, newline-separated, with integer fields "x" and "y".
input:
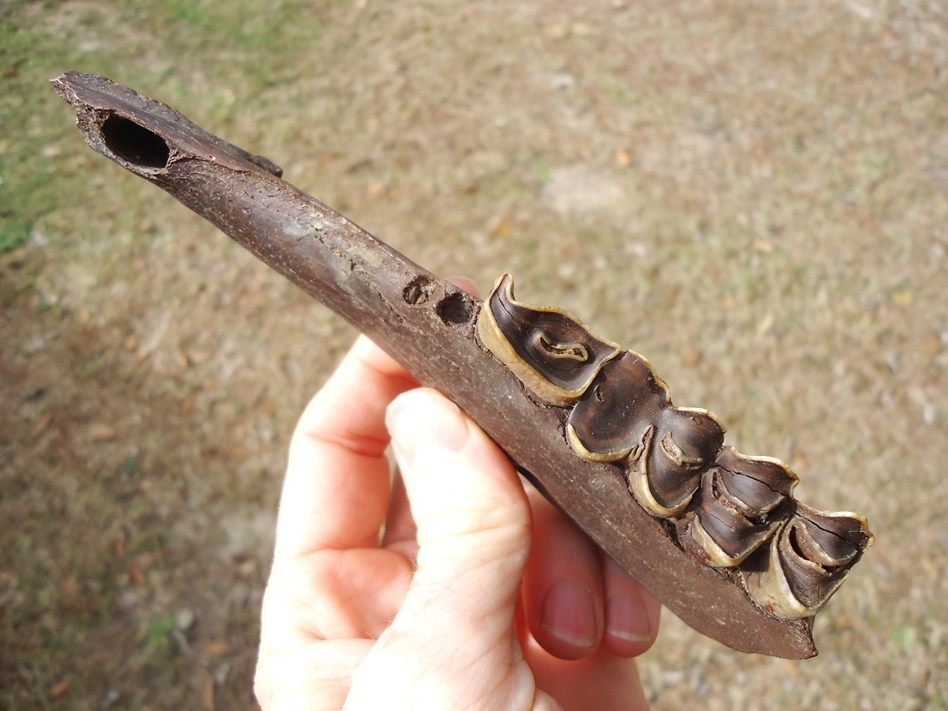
{"x": 755, "y": 195}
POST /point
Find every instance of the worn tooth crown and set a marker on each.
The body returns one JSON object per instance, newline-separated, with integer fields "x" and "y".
{"x": 728, "y": 509}
{"x": 551, "y": 352}
{"x": 811, "y": 555}
{"x": 611, "y": 417}
{"x": 758, "y": 483}
{"x": 721, "y": 526}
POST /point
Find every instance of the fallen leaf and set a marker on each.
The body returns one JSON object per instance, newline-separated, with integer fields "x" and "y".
{"x": 199, "y": 357}
{"x": 41, "y": 424}
{"x": 135, "y": 576}
{"x": 691, "y": 356}
{"x": 800, "y": 462}
{"x": 844, "y": 622}
{"x": 102, "y": 433}
{"x": 59, "y": 688}
{"x": 215, "y": 646}
{"x": 504, "y": 227}
{"x": 932, "y": 345}
{"x": 903, "y": 297}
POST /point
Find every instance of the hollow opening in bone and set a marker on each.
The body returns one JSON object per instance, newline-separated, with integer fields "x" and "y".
{"x": 134, "y": 143}
{"x": 454, "y": 310}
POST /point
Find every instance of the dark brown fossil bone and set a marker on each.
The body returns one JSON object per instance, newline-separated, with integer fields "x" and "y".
{"x": 429, "y": 326}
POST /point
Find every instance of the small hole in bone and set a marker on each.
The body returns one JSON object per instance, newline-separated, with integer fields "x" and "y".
{"x": 454, "y": 309}
{"x": 135, "y": 144}
{"x": 418, "y": 291}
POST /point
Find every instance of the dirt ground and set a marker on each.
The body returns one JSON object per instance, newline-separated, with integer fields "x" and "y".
{"x": 754, "y": 195}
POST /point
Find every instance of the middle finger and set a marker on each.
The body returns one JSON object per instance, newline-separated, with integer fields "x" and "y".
{"x": 562, "y": 586}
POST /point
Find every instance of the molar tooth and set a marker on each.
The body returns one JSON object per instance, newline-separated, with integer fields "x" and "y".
{"x": 762, "y": 483}
{"x": 641, "y": 487}
{"x": 611, "y": 417}
{"x": 798, "y": 575}
{"x": 555, "y": 355}
{"x": 690, "y": 440}
{"x": 717, "y": 527}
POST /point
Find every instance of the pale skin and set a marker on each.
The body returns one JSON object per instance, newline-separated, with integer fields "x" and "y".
{"x": 479, "y": 595}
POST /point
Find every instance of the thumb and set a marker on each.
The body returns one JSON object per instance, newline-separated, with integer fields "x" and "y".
{"x": 452, "y": 644}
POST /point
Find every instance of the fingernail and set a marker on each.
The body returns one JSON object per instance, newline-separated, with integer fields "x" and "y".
{"x": 420, "y": 420}
{"x": 569, "y": 614}
{"x": 627, "y": 619}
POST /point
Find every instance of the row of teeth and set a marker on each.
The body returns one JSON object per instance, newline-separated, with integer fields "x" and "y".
{"x": 729, "y": 510}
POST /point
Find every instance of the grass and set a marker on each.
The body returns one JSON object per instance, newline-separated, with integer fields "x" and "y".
{"x": 45, "y": 171}
{"x": 26, "y": 160}
{"x": 41, "y": 163}
{"x": 13, "y": 232}
{"x": 156, "y": 635}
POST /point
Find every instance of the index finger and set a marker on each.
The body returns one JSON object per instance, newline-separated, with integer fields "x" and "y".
{"x": 337, "y": 481}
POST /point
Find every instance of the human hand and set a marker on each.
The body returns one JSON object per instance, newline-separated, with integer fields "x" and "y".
{"x": 450, "y": 607}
